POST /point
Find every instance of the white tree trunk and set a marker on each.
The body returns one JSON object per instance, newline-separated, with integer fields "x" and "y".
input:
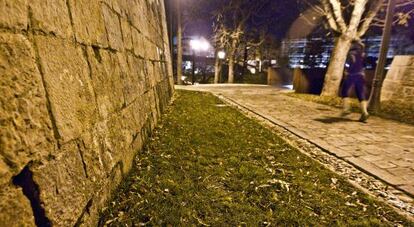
{"x": 232, "y": 58}
{"x": 335, "y": 70}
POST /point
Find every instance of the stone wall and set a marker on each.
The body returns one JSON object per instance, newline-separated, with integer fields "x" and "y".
{"x": 399, "y": 82}
{"x": 83, "y": 83}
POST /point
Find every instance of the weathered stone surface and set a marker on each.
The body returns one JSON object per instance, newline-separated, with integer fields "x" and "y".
{"x": 13, "y": 14}
{"x": 77, "y": 101}
{"x": 126, "y": 34}
{"x": 106, "y": 80}
{"x": 25, "y": 128}
{"x": 114, "y": 5}
{"x": 88, "y": 30}
{"x": 399, "y": 82}
{"x": 101, "y": 196}
{"x": 121, "y": 134}
{"x": 51, "y": 16}
{"x": 113, "y": 28}
{"x": 64, "y": 186}
{"x": 133, "y": 12}
{"x": 134, "y": 85}
{"x": 15, "y": 209}
{"x": 68, "y": 84}
{"x": 138, "y": 42}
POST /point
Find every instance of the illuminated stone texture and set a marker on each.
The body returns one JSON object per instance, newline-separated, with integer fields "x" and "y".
{"x": 83, "y": 83}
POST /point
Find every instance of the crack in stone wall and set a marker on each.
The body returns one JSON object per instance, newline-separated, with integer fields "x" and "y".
{"x": 31, "y": 190}
{"x": 84, "y": 82}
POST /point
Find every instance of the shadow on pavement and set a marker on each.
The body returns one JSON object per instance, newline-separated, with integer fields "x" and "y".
{"x": 331, "y": 120}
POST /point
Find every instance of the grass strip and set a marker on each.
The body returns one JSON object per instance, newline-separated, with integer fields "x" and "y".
{"x": 207, "y": 164}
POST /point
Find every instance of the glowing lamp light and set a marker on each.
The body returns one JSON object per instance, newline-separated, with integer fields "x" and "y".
{"x": 199, "y": 45}
{"x": 221, "y": 55}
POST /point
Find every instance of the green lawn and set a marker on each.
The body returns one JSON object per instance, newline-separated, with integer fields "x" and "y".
{"x": 393, "y": 110}
{"x": 207, "y": 164}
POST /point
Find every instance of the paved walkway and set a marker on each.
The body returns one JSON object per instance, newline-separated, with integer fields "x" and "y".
{"x": 382, "y": 148}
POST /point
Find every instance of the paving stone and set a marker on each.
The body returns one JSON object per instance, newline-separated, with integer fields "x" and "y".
{"x": 385, "y": 165}
{"x": 408, "y": 188}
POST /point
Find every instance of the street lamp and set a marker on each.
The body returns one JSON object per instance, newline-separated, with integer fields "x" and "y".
{"x": 197, "y": 45}
{"x": 221, "y": 55}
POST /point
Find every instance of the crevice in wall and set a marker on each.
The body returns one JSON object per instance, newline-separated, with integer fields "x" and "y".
{"x": 31, "y": 190}
{"x": 86, "y": 210}
{"x": 97, "y": 53}
{"x": 71, "y": 19}
{"x": 85, "y": 170}
{"x": 85, "y": 55}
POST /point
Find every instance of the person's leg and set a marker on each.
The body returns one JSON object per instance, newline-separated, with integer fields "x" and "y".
{"x": 360, "y": 90}
{"x": 346, "y": 101}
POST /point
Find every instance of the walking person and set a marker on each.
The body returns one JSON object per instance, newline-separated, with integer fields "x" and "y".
{"x": 355, "y": 77}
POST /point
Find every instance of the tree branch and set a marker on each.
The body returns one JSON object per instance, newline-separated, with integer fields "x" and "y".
{"x": 328, "y": 14}
{"x": 369, "y": 17}
{"x": 337, "y": 12}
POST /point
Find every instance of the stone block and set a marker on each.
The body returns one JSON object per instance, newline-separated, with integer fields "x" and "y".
{"x": 126, "y": 34}
{"x": 95, "y": 160}
{"x": 132, "y": 85}
{"x": 101, "y": 197}
{"x": 64, "y": 186}
{"x": 114, "y": 5}
{"x": 399, "y": 80}
{"x": 403, "y": 60}
{"x": 120, "y": 136}
{"x": 25, "y": 127}
{"x": 51, "y": 16}
{"x": 138, "y": 42}
{"x": 132, "y": 11}
{"x": 67, "y": 81}
{"x": 88, "y": 22}
{"x": 15, "y": 209}
{"x": 13, "y": 14}
{"x": 135, "y": 83}
{"x": 106, "y": 80}
{"x": 113, "y": 28}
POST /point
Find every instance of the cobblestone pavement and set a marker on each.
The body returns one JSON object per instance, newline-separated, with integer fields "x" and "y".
{"x": 382, "y": 148}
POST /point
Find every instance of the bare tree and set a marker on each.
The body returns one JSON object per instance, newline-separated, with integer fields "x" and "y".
{"x": 362, "y": 14}
{"x": 233, "y": 23}
{"x": 350, "y": 20}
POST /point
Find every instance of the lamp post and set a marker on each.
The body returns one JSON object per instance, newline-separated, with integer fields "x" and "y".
{"x": 179, "y": 45}
{"x": 197, "y": 45}
{"x": 375, "y": 96}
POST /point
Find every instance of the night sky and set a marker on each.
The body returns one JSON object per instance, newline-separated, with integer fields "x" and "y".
{"x": 201, "y": 25}
{"x": 288, "y": 19}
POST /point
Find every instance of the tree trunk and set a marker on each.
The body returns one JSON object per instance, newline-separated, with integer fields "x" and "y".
{"x": 217, "y": 69}
{"x": 336, "y": 66}
{"x": 232, "y": 59}
{"x": 179, "y": 45}
{"x": 244, "y": 62}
